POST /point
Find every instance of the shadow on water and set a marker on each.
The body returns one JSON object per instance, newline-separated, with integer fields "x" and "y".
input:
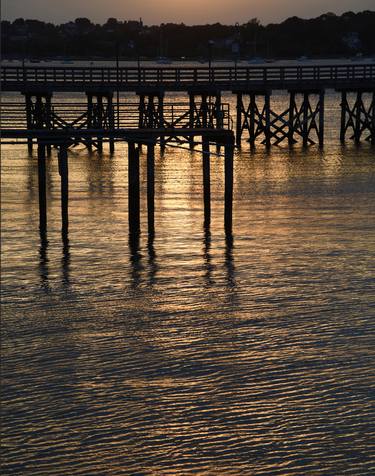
{"x": 153, "y": 267}
{"x": 137, "y": 268}
{"x": 229, "y": 264}
{"x": 135, "y": 258}
{"x": 65, "y": 260}
{"x": 43, "y": 262}
{"x": 208, "y": 266}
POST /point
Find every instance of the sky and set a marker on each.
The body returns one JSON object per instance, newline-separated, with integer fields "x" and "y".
{"x": 177, "y": 11}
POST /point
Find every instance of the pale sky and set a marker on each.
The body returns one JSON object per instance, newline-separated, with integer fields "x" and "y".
{"x": 184, "y": 11}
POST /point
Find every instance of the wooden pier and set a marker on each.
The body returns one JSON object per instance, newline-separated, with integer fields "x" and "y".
{"x": 135, "y": 138}
{"x": 149, "y": 119}
{"x": 256, "y": 117}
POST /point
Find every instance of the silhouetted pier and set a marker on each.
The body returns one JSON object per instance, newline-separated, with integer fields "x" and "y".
{"x": 135, "y": 138}
{"x": 149, "y": 119}
{"x": 253, "y": 86}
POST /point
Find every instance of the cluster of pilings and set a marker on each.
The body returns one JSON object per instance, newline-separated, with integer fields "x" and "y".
{"x": 304, "y": 117}
{"x": 302, "y": 120}
{"x": 357, "y": 115}
{"x": 134, "y": 163}
{"x": 204, "y": 112}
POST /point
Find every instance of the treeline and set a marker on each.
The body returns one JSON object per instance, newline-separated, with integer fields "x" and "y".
{"x": 326, "y": 35}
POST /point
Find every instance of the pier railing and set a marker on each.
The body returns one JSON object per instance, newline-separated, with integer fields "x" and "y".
{"x": 127, "y": 78}
{"x": 73, "y": 115}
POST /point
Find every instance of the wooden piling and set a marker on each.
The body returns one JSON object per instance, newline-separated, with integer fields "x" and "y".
{"x": 133, "y": 188}
{"x": 161, "y": 119}
{"x": 357, "y": 123}
{"x": 239, "y": 120}
{"x": 89, "y": 120}
{"x": 252, "y": 98}
{"x": 191, "y": 117}
{"x": 42, "y": 187}
{"x": 99, "y": 118}
{"x": 29, "y": 121}
{"x": 292, "y": 108}
{"x": 321, "y": 119}
{"x": 63, "y": 170}
{"x": 111, "y": 122}
{"x": 267, "y": 114}
{"x": 305, "y": 119}
{"x": 372, "y": 125}
{"x": 228, "y": 193}
{"x": 151, "y": 188}
{"x": 206, "y": 180}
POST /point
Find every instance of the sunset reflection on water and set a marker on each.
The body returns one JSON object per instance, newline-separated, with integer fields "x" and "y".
{"x": 192, "y": 352}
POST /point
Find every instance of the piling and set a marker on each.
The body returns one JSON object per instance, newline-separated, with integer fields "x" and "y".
{"x": 321, "y": 119}
{"x": 239, "y": 120}
{"x": 42, "y": 187}
{"x": 228, "y": 193}
{"x": 64, "y": 177}
{"x": 151, "y": 188}
{"x": 206, "y": 180}
{"x": 133, "y": 188}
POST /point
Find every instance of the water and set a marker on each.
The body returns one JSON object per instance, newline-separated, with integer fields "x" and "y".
{"x": 193, "y": 354}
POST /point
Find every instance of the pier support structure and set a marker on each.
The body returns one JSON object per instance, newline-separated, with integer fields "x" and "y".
{"x": 253, "y": 115}
{"x": 151, "y": 111}
{"x": 306, "y": 116}
{"x": 42, "y": 188}
{"x": 64, "y": 177}
{"x": 205, "y": 109}
{"x": 357, "y": 115}
{"x": 38, "y": 113}
{"x": 100, "y": 115}
{"x": 303, "y": 117}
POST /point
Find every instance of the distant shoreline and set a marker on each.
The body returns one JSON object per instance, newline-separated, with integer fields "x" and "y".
{"x": 172, "y": 62}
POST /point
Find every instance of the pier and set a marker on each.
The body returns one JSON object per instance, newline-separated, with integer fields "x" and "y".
{"x": 303, "y": 120}
{"x": 149, "y": 119}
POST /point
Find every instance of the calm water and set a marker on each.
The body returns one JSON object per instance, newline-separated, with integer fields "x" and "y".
{"x": 192, "y": 354}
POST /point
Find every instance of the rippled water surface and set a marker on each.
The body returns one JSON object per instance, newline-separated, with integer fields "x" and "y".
{"x": 192, "y": 353}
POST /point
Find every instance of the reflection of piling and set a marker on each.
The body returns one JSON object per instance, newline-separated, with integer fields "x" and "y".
{"x": 135, "y": 258}
{"x": 65, "y": 262}
{"x": 152, "y": 265}
{"x": 206, "y": 180}
{"x": 228, "y": 194}
{"x": 150, "y": 188}
{"x": 133, "y": 188}
{"x": 42, "y": 187}
{"x": 63, "y": 170}
{"x": 43, "y": 260}
{"x": 229, "y": 264}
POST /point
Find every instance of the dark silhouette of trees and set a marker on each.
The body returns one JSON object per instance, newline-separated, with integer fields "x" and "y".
{"x": 326, "y": 35}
